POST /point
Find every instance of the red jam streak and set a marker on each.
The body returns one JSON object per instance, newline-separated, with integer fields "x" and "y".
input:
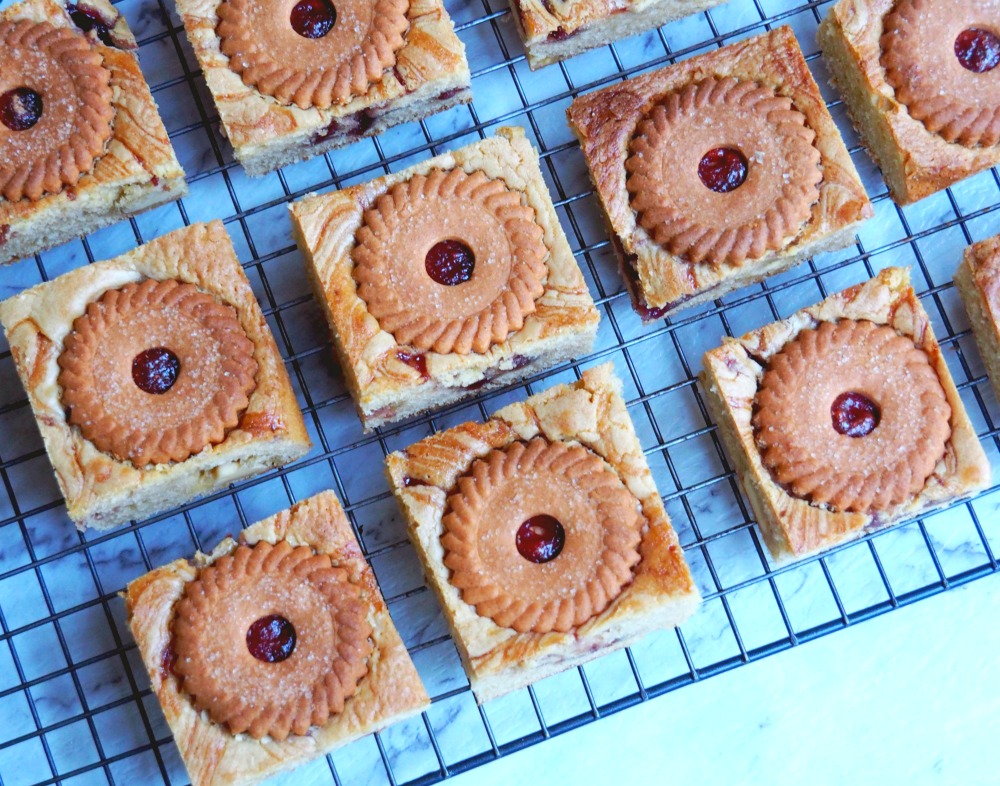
{"x": 854, "y": 414}
{"x": 978, "y": 50}
{"x": 450, "y": 263}
{"x": 88, "y": 19}
{"x": 313, "y": 18}
{"x": 167, "y": 660}
{"x": 723, "y": 169}
{"x": 627, "y": 263}
{"x": 20, "y": 108}
{"x": 365, "y": 121}
{"x": 518, "y": 362}
{"x": 271, "y": 639}
{"x": 540, "y": 539}
{"x": 155, "y": 370}
{"x": 415, "y": 360}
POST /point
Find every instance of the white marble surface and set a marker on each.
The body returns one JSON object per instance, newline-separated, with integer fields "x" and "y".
{"x": 912, "y": 697}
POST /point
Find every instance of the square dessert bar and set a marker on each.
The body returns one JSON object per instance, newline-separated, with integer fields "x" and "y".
{"x": 446, "y": 279}
{"x": 543, "y": 535}
{"x": 261, "y": 60}
{"x": 333, "y": 668}
{"x": 121, "y": 161}
{"x": 153, "y": 377}
{"x": 553, "y": 30}
{"x": 928, "y": 118}
{"x": 978, "y": 282}
{"x": 843, "y": 418}
{"x": 718, "y": 172}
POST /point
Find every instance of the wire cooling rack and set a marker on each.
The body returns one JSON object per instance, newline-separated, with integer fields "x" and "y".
{"x": 75, "y": 703}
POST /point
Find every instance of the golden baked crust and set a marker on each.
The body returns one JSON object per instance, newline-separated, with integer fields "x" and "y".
{"x": 914, "y": 161}
{"x": 792, "y": 527}
{"x": 978, "y": 281}
{"x": 266, "y": 135}
{"x": 99, "y": 490}
{"x": 385, "y": 378}
{"x": 553, "y": 30}
{"x": 138, "y": 169}
{"x": 391, "y": 690}
{"x": 606, "y": 121}
{"x": 590, "y": 412}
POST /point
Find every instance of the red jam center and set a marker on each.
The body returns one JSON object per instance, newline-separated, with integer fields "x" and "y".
{"x": 978, "y": 50}
{"x": 723, "y": 169}
{"x": 155, "y": 370}
{"x": 854, "y": 414}
{"x": 20, "y": 108}
{"x": 271, "y": 639}
{"x": 450, "y": 262}
{"x": 313, "y": 18}
{"x": 540, "y": 538}
{"x": 88, "y": 19}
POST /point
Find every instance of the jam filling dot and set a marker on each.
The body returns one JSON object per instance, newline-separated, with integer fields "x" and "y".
{"x": 540, "y": 538}
{"x": 20, "y": 108}
{"x": 271, "y": 639}
{"x": 854, "y": 414}
{"x": 155, "y": 370}
{"x": 313, "y": 18}
{"x": 450, "y": 262}
{"x": 978, "y": 50}
{"x": 88, "y": 19}
{"x": 723, "y": 169}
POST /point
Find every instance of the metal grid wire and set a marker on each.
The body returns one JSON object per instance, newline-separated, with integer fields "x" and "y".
{"x": 74, "y": 699}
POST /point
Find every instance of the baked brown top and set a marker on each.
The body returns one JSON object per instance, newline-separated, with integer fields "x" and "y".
{"x": 942, "y": 57}
{"x": 156, "y": 371}
{"x": 313, "y": 53}
{"x": 450, "y": 261}
{"x": 606, "y": 121}
{"x": 271, "y": 639}
{"x": 851, "y": 415}
{"x": 541, "y": 536}
{"x": 55, "y": 108}
{"x": 761, "y": 203}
